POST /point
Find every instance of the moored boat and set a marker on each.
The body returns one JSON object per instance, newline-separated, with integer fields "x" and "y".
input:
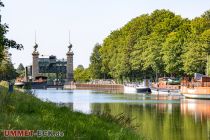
{"x": 134, "y": 88}
{"x": 174, "y": 92}
{"x": 19, "y": 84}
{"x": 166, "y": 86}
{"x": 197, "y": 88}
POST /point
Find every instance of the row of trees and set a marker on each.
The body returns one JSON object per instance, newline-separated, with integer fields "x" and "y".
{"x": 7, "y": 71}
{"x": 157, "y": 44}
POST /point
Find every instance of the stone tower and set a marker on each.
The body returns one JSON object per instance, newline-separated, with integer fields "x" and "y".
{"x": 35, "y": 63}
{"x": 69, "y": 67}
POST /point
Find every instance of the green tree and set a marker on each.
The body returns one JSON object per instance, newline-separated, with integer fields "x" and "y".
{"x": 206, "y": 15}
{"x": 21, "y": 70}
{"x": 5, "y": 43}
{"x": 81, "y": 74}
{"x": 172, "y": 51}
{"x": 7, "y": 71}
{"x": 196, "y": 47}
{"x": 194, "y": 58}
{"x": 205, "y": 39}
{"x": 152, "y": 57}
{"x": 96, "y": 63}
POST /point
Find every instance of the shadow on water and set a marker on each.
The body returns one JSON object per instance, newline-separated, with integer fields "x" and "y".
{"x": 159, "y": 118}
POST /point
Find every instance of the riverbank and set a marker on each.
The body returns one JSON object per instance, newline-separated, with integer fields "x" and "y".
{"x": 22, "y": 111}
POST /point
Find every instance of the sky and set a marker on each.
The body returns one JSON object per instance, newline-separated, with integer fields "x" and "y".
{"x": 89, "y": 22}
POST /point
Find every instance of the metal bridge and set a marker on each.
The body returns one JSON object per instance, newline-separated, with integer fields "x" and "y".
{"x": 52, "y": 65}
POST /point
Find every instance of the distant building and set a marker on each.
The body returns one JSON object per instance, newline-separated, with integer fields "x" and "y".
{"x": 50, "y": 65}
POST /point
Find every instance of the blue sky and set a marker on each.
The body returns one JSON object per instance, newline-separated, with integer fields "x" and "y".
{"x": 89, "y": 21}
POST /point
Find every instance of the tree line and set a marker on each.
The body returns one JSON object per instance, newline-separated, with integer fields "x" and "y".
{"x": 152, "y": 45}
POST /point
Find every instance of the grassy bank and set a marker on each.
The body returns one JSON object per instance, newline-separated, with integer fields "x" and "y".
{"x": 24, "y": 111}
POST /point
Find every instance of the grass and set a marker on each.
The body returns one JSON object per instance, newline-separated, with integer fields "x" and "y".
{"x": 22, "y": 111}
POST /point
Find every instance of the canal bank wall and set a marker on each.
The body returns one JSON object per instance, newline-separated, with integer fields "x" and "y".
{"x": 94, "y": 86}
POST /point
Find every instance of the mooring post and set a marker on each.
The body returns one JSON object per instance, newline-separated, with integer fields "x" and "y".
{"x": 56, "y": 80}
{"x": 10, "y": 90}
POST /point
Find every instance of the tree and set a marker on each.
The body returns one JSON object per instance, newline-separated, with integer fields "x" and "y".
{"x": 7, "y": 71}
{"x": 205, "y": 39}
{"x": 199, "y": 25}
{"x": 206, "y": 15}
{"x": 172, "y": 51}
{"x": 194, "y": 58}
{"x": 5, "y": 43}
{"x": 96, "y": 63}
{"x": 196, "y": 47}
{"x": 152, "y": 57}
{"x": 21, "y": 70}
{"x": 80, "y": 67}
{"x": 81, "y": 74}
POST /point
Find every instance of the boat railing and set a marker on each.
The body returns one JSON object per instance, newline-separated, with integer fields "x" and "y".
{"x": 165, "y": 86}
{"x": 131, "y": 85}
{"x": 195, "y": 84}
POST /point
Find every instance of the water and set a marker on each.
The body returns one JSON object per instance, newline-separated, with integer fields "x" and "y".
{"x": 158, "y": 118}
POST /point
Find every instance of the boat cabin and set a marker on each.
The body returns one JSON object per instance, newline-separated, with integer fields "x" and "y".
{"x": 167, "y": 83}
{"x": 201, "y": 82}
{"x": 40, "y": 79}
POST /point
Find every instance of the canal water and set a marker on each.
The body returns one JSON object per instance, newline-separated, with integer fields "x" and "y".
{"x": 157, "y": 117}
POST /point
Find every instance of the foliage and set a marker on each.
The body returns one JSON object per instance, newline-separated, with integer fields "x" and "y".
{"x": 7, "y": 71}
{"x": 96, "y": 63}
{"x": 172, "y": 50}
{"x": 21, "y": 70}
{"x": 157, "y": 44}
{"x": 206, "y": 15}
{"x": 5, "y": 43}
{"x": 81, "y": 74}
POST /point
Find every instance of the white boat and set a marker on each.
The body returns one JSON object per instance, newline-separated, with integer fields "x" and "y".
{"x": 137, "y": 88}
{"x": 197, "y": 96}
{"x": 156, "y": 91}
{"x": 19, "y": 84}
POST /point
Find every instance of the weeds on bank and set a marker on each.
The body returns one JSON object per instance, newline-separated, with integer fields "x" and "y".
{"x": 121, "y": 119}
{"x": 24, "y": 111}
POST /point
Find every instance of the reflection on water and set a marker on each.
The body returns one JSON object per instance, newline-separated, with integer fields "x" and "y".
{"x": 195, "y": 107}
{"x": 159, "y": 118}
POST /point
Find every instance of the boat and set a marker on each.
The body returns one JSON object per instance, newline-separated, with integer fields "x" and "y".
{"x": 166, "y": 86}
{"x": 197, "y": 88}
{"x": 129, "y": 88}
{"x": 172, "y": 92}
{"x": 19, "y": 84}
{"x": 134, "y": 88}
